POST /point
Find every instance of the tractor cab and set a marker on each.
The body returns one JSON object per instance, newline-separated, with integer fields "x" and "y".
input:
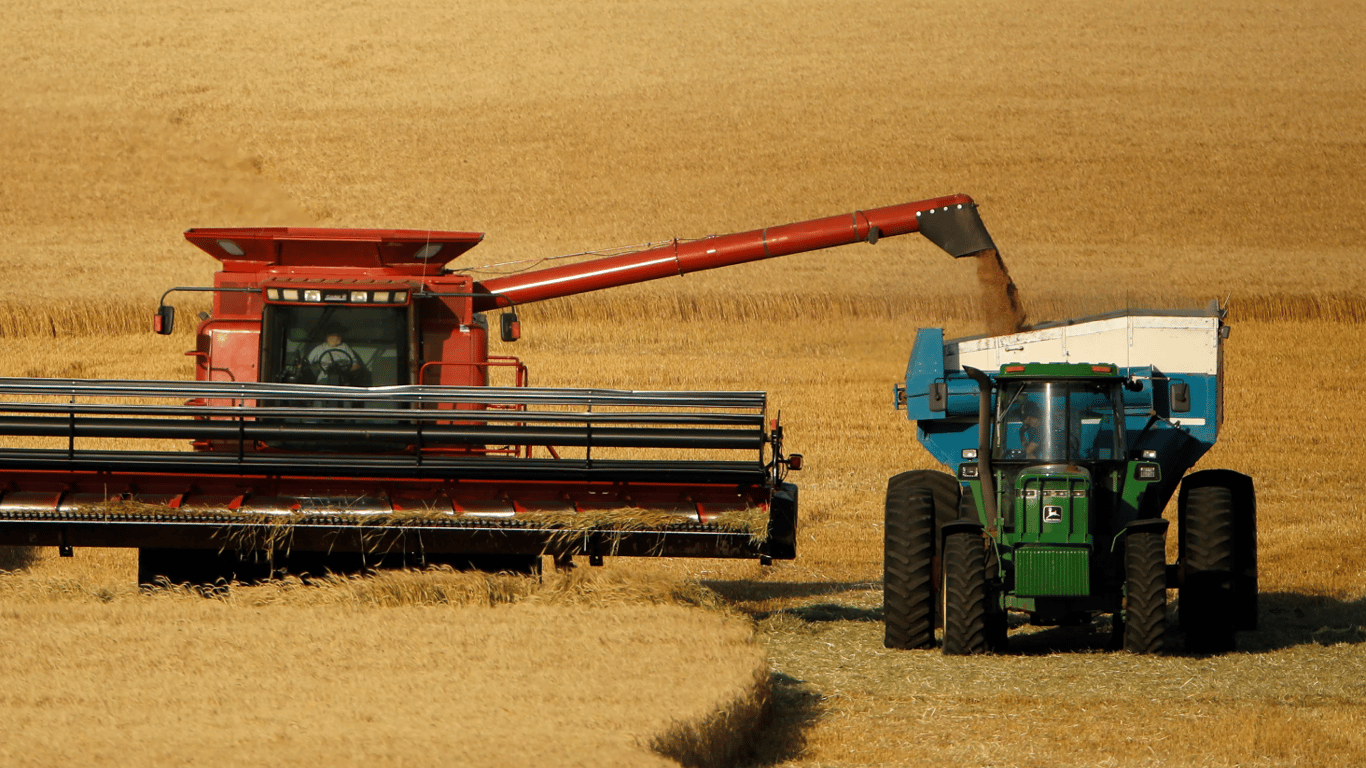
{"x": 1058, "y": 447}
{"x": 1058, "y": 414}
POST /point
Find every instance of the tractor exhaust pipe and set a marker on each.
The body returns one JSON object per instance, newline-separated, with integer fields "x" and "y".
{"x": 984, "y": 443}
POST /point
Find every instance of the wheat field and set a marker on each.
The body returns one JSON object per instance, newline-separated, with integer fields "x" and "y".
{"x": 1155, "y": 154}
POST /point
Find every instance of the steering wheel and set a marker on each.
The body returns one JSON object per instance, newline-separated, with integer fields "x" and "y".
{"x": 335, "y": 360}
{"x": 334, "y": 367}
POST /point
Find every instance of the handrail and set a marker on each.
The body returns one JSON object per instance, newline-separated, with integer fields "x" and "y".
{"x": 239, "y": 390}
{"x": 385, "y": 414}
{"x": 494, "y": 361}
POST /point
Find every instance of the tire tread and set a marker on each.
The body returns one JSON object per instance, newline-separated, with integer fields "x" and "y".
{"x": 965, "y": 594}
{"x": 1207, "y": 588}
{"x": 1145, "y": 598}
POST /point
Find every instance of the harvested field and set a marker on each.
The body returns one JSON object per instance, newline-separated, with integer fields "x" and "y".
{"x": 1159, "y": 154}
{"x": 436, "y": 668}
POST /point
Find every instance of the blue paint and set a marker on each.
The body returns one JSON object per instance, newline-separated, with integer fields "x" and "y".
{"x": 945, "y": 434}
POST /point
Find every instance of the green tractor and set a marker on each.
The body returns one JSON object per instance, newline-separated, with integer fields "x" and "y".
{"x": 1062, "y": 472}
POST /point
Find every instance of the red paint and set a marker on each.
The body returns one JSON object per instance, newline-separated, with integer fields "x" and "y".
{"x": 448, "y": 345}
{"x": 283, "y": 250}
{"x": 680, "y": 258}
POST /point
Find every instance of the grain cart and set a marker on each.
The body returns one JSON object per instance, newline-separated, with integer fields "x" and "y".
{"x": 1067, "y": 441}
{"x": 344, "y": 415}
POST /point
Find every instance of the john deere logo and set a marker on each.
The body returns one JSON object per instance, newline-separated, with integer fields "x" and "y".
{"x": 1052, "y": 514}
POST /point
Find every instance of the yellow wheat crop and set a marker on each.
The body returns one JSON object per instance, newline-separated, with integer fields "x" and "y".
{"x": 1162, "y": 155}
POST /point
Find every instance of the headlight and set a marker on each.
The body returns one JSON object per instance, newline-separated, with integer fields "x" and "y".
{"x": 313, "y": 295}
{"x": 1147, "y": 472}
{"x": 358, "y": 297}
{"x": 290, "y": 294}
{"x": 969, "y": 454}
{"x": 967, "y": 470}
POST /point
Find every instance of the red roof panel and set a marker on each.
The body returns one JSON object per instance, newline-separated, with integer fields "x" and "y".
{"x": 405, "y": 251}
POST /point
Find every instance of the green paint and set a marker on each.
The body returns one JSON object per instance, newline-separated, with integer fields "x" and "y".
{"x": 1050, "y": 515}
{"x": 1044, "y": 571}
{"x": 1131, "y": 493}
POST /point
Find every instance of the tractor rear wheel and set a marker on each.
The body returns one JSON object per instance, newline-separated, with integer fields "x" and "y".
{"x": 908, "y": 565}
{"x": 946, "y": 492}
{"x": 1207, "y": 559}
{"x": 1145, "y": 592}
{"x": 965, "y": 594}
{"x": 947, "y": 509}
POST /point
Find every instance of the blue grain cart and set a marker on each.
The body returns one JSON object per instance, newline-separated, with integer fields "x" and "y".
{"x": 1065, "y": 443}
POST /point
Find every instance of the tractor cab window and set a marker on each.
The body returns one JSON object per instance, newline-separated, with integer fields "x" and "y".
{"x": 337, "y": 345}
{"x": 1059, "y": 421}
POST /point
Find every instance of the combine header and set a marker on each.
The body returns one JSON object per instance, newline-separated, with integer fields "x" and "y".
{"x": 344, "y": 416}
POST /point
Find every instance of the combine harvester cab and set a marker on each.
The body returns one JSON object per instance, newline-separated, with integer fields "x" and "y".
{"x": 1066, "y": 442}
{"x": 346, "y": 414}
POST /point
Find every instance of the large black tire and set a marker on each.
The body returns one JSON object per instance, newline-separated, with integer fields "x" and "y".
{"x": 944, "y": 487}
{"x": 965, "y": 594}
{"x": 908, "y": 565}
{"x": 1145, "y": 592}
{"x": 1207, "y": 614}
{"x": 1245, "y": 588}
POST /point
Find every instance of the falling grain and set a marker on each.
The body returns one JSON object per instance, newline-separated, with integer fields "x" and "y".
{"x": 1001, "y": 306}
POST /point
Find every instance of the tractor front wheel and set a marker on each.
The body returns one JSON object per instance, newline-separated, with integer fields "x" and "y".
{"x": 1145, "y": 592}
{"x": 965, "y": 594}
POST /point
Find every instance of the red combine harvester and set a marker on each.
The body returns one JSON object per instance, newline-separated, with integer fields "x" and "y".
{"x": 343, "y": 417}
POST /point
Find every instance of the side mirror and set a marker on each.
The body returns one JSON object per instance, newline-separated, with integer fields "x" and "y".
{"x": 511, "y": 328}
{"x": 1180, "y": 397}
{"x": 164, "y": 320}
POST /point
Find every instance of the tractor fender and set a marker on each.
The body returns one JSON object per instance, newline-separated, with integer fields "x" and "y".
{"x": 960, "y": 526}
{"x": 1146, "y": 525}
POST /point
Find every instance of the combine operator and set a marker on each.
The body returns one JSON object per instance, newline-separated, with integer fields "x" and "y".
{"x": 334, "y": 361}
